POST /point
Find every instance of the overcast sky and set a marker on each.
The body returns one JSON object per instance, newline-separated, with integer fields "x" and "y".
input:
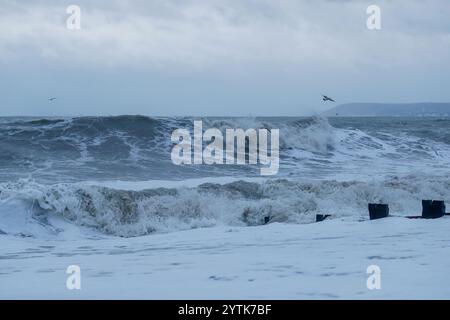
{"x": 208, "y": 57}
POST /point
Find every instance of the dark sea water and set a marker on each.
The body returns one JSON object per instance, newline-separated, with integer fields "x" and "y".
{"x": 138, "y": 148}
{"x": 115, "y": 174}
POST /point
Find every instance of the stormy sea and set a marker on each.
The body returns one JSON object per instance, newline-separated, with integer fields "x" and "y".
{"x": 104, "y": 194}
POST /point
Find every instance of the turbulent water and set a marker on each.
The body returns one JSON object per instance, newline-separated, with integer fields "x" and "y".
{"x": 115, "y": 174}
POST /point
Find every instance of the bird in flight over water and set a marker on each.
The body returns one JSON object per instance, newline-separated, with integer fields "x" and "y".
{"x": 325, "y": 98}
{"x": 51, "y": 99}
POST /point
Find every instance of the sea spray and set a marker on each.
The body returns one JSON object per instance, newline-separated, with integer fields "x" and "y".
{"x": 131, "y": 213}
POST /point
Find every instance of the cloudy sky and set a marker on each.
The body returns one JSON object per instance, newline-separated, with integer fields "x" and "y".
{"x": 219, "y": 57}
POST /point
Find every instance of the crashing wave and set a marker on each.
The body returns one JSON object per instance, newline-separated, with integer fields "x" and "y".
{"x": 241, "y": 203}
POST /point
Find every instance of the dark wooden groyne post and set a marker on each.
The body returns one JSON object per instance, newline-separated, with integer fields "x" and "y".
{"x": 321, "y": 217}
{"x": 378, "y": 211}
{"x": 432, "y": 209}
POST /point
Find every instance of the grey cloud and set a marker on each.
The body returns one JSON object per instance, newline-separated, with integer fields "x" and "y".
{"x": 236, "y": 53}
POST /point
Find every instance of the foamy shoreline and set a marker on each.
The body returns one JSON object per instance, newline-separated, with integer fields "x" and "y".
{"x": 325, "y": 260}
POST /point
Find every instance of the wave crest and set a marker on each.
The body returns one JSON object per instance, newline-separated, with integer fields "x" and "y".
{"x": 241, "y": 203}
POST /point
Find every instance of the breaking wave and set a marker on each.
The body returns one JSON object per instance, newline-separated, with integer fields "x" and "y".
{"x": 130, "y": 213}
{"x": 138, "y": 147}
{"x": 57, "y": 169}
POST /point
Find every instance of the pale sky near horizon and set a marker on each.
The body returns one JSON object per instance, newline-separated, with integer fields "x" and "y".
{"x": 218, "y": 57}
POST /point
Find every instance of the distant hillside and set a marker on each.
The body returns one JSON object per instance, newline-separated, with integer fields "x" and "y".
{"x": 390, "y": 110}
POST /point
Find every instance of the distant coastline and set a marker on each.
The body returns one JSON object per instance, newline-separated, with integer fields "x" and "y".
{"x": 425, "y": 109}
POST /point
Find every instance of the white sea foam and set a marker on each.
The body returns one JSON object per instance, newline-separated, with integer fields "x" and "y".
{"x": 239, "y": 203}
{"x": 204, "y": 226}
{"x": 125, "y": 187}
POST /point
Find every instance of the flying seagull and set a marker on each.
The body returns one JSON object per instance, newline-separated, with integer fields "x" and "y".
{"x": 51, "y": 99}
{"x": 325, "y": 98}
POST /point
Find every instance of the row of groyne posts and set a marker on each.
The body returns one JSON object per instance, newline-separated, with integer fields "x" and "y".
{"x": 431, "y": 209}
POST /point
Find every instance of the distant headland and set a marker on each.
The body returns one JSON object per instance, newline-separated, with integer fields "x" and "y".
{"x": 424, "y": 109}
